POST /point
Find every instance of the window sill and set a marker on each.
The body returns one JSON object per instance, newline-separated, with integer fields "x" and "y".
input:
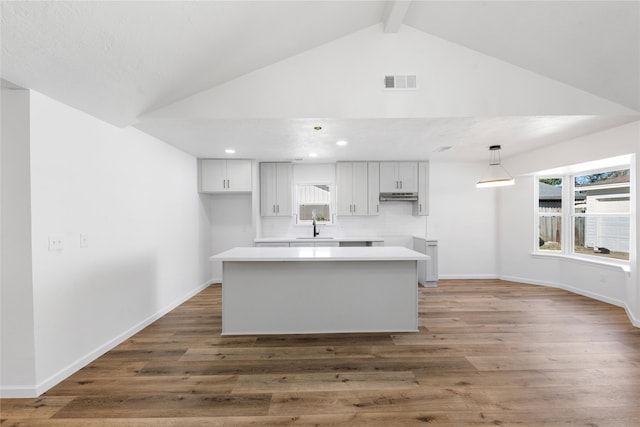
{"x": 622, "y": 265}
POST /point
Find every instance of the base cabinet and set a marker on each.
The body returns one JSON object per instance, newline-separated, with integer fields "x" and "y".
{"x": 305, "y": 243}
{"x": 314, "y": 244}
{"x": 427, "y": 270}
{"x": 272, "y": 244}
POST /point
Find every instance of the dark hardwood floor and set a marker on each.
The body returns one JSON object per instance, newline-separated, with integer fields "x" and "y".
{"x": 488, "y": 352}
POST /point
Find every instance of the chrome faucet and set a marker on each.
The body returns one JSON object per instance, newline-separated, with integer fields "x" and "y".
{"x": 313, "y": 221}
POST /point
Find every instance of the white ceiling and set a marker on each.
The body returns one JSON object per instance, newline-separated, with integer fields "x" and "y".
{"x": 120, "y": 61}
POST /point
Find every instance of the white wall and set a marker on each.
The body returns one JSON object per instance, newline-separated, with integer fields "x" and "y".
{"x": 136, "y": 199}
{"x": 517, "y": 223}
{"x": 231, "y": 225}
{"x": 463, "y": 219}
{"x": 453, "y": 81}
{"x": 17, "y": 369}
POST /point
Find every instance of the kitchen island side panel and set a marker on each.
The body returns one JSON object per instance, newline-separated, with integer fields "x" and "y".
{"x": 283, "y": 297}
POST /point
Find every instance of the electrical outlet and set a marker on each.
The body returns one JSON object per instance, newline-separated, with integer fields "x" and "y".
{"x": 84, "y": 240}
{"x": 56, "y": 243}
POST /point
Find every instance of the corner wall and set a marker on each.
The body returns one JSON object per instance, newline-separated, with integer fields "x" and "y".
{"x": 517, "y": 261}
{"x": 135, "y": 199}
{"x": 17, "y": 369}
{"x": 464, "y": 220}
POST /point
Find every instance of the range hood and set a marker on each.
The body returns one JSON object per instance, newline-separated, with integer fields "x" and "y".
{"x": 409, "y": 197}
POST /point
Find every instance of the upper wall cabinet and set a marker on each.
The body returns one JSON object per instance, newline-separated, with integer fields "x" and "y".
{"x": 222, "y": 176}
{"x": 373, "y": 170}
{"x": 351, "y": 180}
{"x": 398, "y": 177}
{"x": 276, "y": 189}
{"x": 421, "y": 207}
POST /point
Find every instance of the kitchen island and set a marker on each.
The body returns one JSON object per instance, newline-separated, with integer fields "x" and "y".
{"x": 300, "y": 290}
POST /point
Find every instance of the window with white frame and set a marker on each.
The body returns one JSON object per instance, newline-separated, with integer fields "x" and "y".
{"x": 313, "y": 198}
{"x": 550, "y": 214}
{"x": 590, "y": 218}
{"x": 601, "y": 214}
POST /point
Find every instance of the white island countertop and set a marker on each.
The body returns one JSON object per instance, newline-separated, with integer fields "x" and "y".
{"x": 375, "y": 253}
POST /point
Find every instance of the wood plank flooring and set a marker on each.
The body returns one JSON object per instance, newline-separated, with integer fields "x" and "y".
{"x": 488, "y": 352}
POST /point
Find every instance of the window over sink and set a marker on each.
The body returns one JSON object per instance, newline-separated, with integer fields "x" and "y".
{"x": 314, "y": 197}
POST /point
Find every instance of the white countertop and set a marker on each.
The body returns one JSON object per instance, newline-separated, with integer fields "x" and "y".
{"x": 370, "y": 253}
{"x": 319, "y": 239}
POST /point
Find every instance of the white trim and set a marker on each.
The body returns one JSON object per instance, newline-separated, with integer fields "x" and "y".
{"x": 18, "y": 391}
{"x": 593, "y": 261}
{"x": 568, "y": 288}
{"x": 467, "y": 276}
{"x": 38, "y": 389}
{"x": 634, "y": 321}
{"x": 568, "y": 214}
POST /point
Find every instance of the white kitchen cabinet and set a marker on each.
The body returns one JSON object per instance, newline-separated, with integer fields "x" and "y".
{"x": 223, "y": 176}
{"x": 352, "y": 196}
{"x": 421, "y": 207}
{"x": 373, "y": 190}
{"x": 276, "y": 189}
{"x": 427, "y": 270}
{"x": 398, "y": 177}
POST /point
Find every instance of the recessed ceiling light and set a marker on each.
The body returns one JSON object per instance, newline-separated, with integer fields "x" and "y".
{"x": 341, "y": 143}
{"x": 317, "y": 127}
{"x": 313, "y": 155}
{"x": 230, "y": 151}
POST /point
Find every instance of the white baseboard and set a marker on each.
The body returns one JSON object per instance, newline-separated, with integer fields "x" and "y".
{"x": 15, "y": 392}
{"x": 569, "y": 288}
{"x": 38, "y": 389}
{"x": 634, "y": 320}
{"x": 466, "y": 276}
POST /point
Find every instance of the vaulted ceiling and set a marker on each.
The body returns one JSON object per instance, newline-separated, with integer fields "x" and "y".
{"x": 258, "y": 75}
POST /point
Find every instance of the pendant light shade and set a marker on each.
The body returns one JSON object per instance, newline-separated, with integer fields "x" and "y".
{"x": 496, "y": 175}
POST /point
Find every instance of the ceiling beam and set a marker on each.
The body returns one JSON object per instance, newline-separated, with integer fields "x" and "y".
{"x": 394, "y": 14}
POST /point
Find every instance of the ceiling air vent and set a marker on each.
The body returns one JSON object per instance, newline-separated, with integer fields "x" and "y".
{"x": 405, "y": 81}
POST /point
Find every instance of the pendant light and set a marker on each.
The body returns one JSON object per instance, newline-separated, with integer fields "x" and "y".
{"x": 496, "y": 175}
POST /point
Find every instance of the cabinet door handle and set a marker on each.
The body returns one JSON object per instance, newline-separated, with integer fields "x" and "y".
{"x": 274, "y": 208}
{"x": 420, "y": 207}
{"x": 354, "y": 208}
{"x": 228, "y": 185}
{"x": 377, "y": 208}
{"x": 401, "y": 185}
{"x": 277, "y": 208}
{"x": 224, "y": 183}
